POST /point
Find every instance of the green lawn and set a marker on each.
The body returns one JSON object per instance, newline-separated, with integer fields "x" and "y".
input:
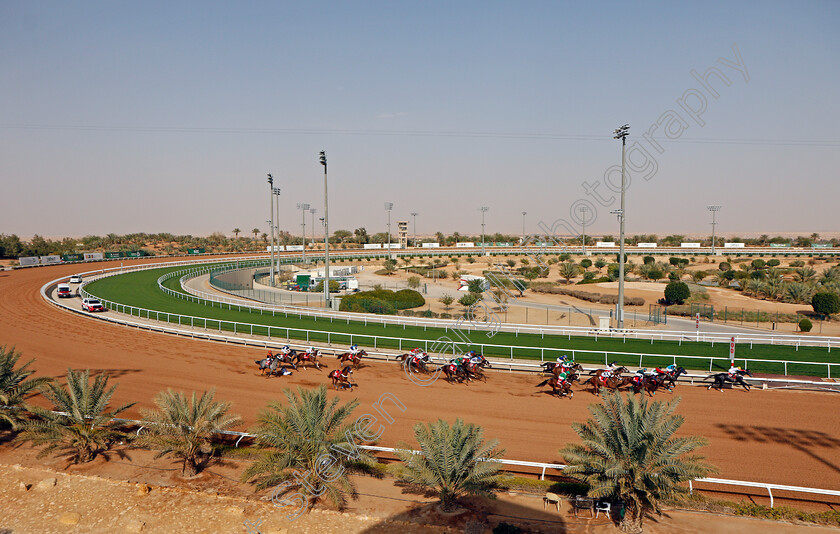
{"x": 140, "y": 289}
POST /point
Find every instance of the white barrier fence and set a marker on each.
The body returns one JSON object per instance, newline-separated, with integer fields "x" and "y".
{"x": 652, "y": 335}
{"x": 544, "y": 466}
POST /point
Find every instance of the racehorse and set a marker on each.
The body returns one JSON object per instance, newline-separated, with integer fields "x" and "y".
{"x": 414, "y": 361}
{"x": 649, "y": 383}
{"x": 613, "y": 382}
{"x": 273, "y": 366}
{"x": 721, "y": 378}
{"x": 576, "y": 368}
{"x": 484, "y": 361}
{"x": 672, "y": 376}
{"x": 454, "y": 372}
{"x": 560, "y": 387}
{"x": 554, "y": 367}
{"x": 304, "y": 358}
{"x": 288, "y": 359}
{"x": 355, "y": 359}
{"x": 342, "y": 378}
{"x": 474, "y": 370}
{"x": 618, "y": 371}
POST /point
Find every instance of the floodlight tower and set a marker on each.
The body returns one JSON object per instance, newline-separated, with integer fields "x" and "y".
{"x": 583, "y": 210}
{"x": 524, "y": 213}
{"x": 714, "y": 210}
{"x": 621, "y": 133}
{"x": 323, "y": 160}
{"x": 276, "y": 192}
{"x": 414, "y": 215}
{"x": 312, "y": 211}
{"x": 483, "y": 210}
{"x": 271, "y": 224}
{"x": 303, "y": 209}
{"x": 388, "y": 207}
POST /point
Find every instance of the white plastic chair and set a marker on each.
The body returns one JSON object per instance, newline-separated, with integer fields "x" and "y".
{"x": 602, "y": 507}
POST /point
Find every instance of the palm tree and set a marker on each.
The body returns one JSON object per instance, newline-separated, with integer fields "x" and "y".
{"x": 264, "y": 237}
{"x": 302, "y": 436}
{"x": 256, "y": 232}
{"x": 798, "y": 293}
{"x": 236, "y": 232}
{"x": 455, "y": 461}
{"x": 14, "y": 386}
{"x": 805, "y": 274}
{"x": 568, "y": 270}
{"x": 84, "y": 428}
{"x": 184, "y": 427}
{"x": 629, "y": 453}
{"x": 698, "y": 276}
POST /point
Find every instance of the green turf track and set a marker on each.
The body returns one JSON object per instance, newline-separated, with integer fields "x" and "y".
{"x": 140, "y": 289}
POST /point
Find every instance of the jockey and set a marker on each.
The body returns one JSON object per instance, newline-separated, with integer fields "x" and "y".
{"x": 671, "y": 369}
{"x": 652, "y": 372}
{"x": 733, "y": 371}
{"x": 461, "y": 362}
{"x": 354, "y": 349}
{"x": 476, "y": 359}
{"x": 562, "y": 377}
{"x": 613, "y": 366}
{"x": 562, "y": 359}
{"x": 640, "y": 375}
{"x": 606, "y": 374}
{"x": 285, "y": 351}
{"x": 284, "y": 372}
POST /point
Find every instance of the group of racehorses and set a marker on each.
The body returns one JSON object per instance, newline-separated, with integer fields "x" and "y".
{"x": 460, "y": 370}
{"x": 274, "y": 364}
{"x": 563, "y": 375}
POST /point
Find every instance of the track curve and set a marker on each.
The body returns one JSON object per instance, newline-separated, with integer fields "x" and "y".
{"x": 784, "y": 437}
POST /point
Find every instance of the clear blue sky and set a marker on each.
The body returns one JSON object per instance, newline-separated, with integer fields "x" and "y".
{"x": 166, "y": 116}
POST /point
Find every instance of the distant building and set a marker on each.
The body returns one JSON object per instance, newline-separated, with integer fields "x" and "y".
{"x": 402, "y": 233}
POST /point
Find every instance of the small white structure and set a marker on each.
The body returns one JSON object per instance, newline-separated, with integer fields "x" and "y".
{"x": 690, "y": 245}
{"x": 605, "y": 244}
{"x": 646, "y": 245}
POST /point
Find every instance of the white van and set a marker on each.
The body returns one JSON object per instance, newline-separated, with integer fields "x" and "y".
{"x": 63, "y": 291}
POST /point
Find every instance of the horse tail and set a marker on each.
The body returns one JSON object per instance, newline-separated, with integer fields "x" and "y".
{"x": 541, "y": 384}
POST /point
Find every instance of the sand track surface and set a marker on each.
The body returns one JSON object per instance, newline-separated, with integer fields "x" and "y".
{"x": 785, "y": 437}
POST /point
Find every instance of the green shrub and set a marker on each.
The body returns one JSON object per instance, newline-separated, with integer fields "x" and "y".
{"x": 677, "y": 292}
{"x": 773, "y": 263}
{"x": 805, "y": 325}
{"x": 725, "y": 266}
{"x": 594, "y": 280}
{"x": 758, "y": 264}
{"x": 586, "y": 263}
{"x": 826, "y": 303}
{"x": 649, "y": 260}
{"x": 382, "y": 301}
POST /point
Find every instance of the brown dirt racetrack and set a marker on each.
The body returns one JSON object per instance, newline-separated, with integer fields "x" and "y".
{"x": 783, "y": 437}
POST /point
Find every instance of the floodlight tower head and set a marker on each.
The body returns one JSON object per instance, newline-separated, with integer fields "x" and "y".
{"x": 713, "y": 208}
{"x": 313, "y": 210}
{"x": 270, "y": 180}
{"x": 389, "y": 206}
{"x": 484, "y": 209}
{"x": 324, "y": 159}
{"x": 621, "y": 132}
{"x": 303, "y": 206}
